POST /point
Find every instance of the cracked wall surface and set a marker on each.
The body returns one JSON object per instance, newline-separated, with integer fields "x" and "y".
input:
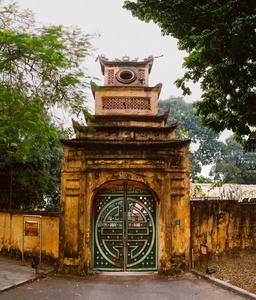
{"x": 223, "y": 225}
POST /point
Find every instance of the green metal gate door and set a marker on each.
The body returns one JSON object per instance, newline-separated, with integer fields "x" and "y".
{"x": 124, "y": 229}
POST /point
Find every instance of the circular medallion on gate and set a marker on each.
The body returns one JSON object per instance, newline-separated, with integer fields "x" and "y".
{"x": 109, "y": 233}
{"x": 141, "y": 233}
{"x": 124, "y": 229}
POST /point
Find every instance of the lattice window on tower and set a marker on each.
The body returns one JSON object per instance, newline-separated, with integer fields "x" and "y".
{"x": 126, "y": 103}
{"x": 141, "y": 75}
{"x": 111, "y": 76}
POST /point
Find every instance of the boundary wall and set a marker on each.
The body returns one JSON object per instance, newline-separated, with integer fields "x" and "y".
{"x": 223, "y": 225}
{"x": 11, "y": 235}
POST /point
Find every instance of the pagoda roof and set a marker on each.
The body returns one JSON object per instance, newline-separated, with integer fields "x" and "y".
{"x": 142, "y": 118}
{"x": 117, "y": 89}
{"x": 137, "y": 128}
{"x": 125, "y": 62}
{"x": 125, "y": 144}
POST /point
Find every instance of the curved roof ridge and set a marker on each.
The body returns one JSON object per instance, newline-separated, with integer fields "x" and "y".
{"x": 125, "y": 61}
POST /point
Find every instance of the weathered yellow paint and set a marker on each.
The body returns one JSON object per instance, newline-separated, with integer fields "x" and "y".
{"x": 128, "y": 145}
{"x": 71, "y": 217}
{"x": 169, "y": 183}
{"x": 11, "y": 235}
{"x": 223, "y": 225}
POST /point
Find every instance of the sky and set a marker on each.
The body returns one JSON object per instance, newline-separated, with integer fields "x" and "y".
{"x": 120, "y": 34}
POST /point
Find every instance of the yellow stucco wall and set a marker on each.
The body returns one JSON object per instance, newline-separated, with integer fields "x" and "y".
{"x": 11, "y": 235}
{"x": 223, "y": 225}
{"x": 83, "y": 172}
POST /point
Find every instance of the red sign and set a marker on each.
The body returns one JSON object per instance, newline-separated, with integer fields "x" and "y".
{"x": 31, "y": 228}
{"x": 203, "y": 250}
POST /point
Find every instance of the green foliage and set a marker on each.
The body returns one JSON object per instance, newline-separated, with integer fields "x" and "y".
{"x": 88, "y": 127}
{"x": 95, "y": 87}
{"x": 40, "y": 68}
{"x": 230, "y": 163}
{"x": 198, "y": 192}
{"x": 220, "y": 39}
{"x": 189, "y": 126}
{"x": 202, "y": 179}
{"x": 233, "y": 165}
{"x": 216, "y": 184}
{"x": 176, "y": 270}
{"x": 249, "y": 194}
{"x": 36, "y": 182}
{"x": 182, "y": 134}
{"x": 53, "y": 207}
{"x": 185, "y": 114}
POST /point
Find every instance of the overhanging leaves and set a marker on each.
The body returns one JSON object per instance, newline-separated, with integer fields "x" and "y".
{"x": 221, "y": 41}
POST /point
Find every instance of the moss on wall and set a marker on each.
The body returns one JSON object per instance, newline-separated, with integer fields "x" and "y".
{"x": 223, "y": 225}
{"x": 11, "y": 235}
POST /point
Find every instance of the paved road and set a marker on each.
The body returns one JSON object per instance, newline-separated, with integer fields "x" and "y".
{"x": 187, "y": 287}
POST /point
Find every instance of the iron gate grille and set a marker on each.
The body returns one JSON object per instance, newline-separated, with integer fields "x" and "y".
{"x": 124, "y": 229}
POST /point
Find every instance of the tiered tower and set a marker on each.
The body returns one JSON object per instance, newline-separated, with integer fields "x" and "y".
{"x": 125, "y": 185}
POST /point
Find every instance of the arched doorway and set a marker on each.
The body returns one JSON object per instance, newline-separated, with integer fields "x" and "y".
{"x": 124, "y": 228}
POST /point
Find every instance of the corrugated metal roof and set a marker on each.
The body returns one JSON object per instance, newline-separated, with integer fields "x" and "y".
{"x": 227, "y": 191}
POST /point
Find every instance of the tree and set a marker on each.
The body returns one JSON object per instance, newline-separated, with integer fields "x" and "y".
{"x": 40, "y": 67}
{"x": 34, "y": 183}
{"x": 204, "y": 143}
{"x": 202, "y": 179}
{"x": 220, "y": 39}
{"x": 233, "y": 165}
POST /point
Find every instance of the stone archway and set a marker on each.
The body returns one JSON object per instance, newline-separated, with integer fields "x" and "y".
{"x": 124, "y": 228}
{"x": 130, "y": 141}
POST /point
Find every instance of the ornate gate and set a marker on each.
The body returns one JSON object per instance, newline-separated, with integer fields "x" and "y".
{"x": 124, "y": 225}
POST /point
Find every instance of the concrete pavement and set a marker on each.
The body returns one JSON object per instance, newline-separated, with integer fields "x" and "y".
{"x": 189, "y": 286}
{"x": 125, "y": 287}
{"x": 14, "y": 274}
{"x": 225, "y": 285}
